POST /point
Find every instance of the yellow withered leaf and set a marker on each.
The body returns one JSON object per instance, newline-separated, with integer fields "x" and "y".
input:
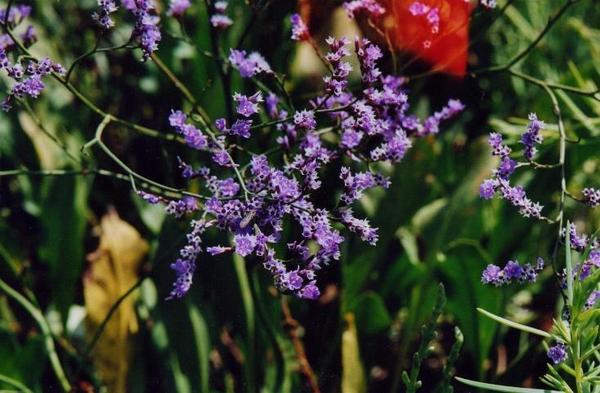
{"x": 353, "y": 374}
{"x": 113, "y": 269}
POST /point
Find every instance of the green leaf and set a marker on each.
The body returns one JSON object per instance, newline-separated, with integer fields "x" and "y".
{"x": 353, "y": 373}
{"x": 515, "y": 325}
{"x": 63, "y": 220}
{"x": 371, "y": 313}
{"x": 202, "y": 338}
{"x": 502, "y": 388}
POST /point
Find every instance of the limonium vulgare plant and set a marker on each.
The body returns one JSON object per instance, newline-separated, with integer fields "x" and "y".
{"x": 253, "y": 196}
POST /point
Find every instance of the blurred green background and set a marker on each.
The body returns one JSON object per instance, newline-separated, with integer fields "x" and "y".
{"x": 228, "y": 334}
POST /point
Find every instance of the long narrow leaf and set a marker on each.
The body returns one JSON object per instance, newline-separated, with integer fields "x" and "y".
{"x": 515, "y": 325}
{"x": 503, "y": 388}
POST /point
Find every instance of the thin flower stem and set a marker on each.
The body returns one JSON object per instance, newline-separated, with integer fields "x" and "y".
{"x": 92, "y": 52}
{"x": 98, "y": 141}
{"x": 292, "y": 328}
{"x": 594, "y": 94}
{"x": 47, "y": 333}
{"x": 109, "y": 314}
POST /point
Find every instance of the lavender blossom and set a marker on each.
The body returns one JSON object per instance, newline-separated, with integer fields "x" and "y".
{"x": 371, "y": 7}
{"x": 248, "y": 65}
{"x": 557, "y": 353}
{"x": 178, "y": 7}
{"x": 248, "y": 105}
{"x": 532, "y": 136}
{"x": 512, "y": 272}
{"x": 299, "y": 28}
{"x": 591, "y": 196}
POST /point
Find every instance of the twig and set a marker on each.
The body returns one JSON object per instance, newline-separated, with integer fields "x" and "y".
{"x": 47, "y": 333}
{"x": 109, "y": 315}
{"x": 291, "y": 325}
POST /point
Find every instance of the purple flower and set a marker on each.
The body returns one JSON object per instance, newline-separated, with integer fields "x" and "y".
{"x": 220, "y": 22}
{"x": 488, "y": 188}
{"x": 310, "y": 292}
{"x": 248, "y": 65}
{"x": 29, "y": 36}
{"x": 592, "y": 300}
{"x": 221, "y": 6}
{"x": 532, "y": 136}
{"x": 183, "y": 206}
{"x": 372, "y": 7}
{"x": 107, "y": 7}
{"x": 145, "y": 31}
{"x": 193, "y": 136}
{"x": 591, "y": 197}
{"x": 492, "y": 275}
{"x": 241, "y": 128}
{"x": 305, "y": 119}
{"x": 557, "y": 353}
{"x": 368, "y": 54}
{"x": 299, "y": 28}
{"x": 244, "y": 244}
{"x": 512, "y": 272}
{"x": 248, "y": 106}
{"x": 178, "y": 7}
{"x": 185, "y": 266}
{"x": 497, "y": 145}
{"x": 150, "y": 198}
{"x": 578, "y": 242}
{"x": 216, "y": 250}
{"x": 336, "y": 82}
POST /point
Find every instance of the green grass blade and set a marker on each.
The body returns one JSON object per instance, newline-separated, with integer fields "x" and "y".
{"x": 569, "y": 266}
{"x": 502, "y": 388}
{"x": 202, "y": 338}
{"x": 515, "y": 325}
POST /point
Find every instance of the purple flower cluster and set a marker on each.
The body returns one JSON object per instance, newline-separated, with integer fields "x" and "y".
{"x": 262, "y": 195}
{"x": 107, "y": 7}
{"x": 219, "y": 19}
{"x": 557, "y": 353}
{"x": 532, "y": 136}
{"x": 299, "y": 29}
{"x": 432, "y": 14}
{"x": 249, "y": 65}
{"x": 28, "y": 79}
{"x": 499, "y": 184}
{"x": 146, "y": 30}
{"x": 370, "y": 7}
{"x": 193, "y": 136}
{"x": 16, "y": 15}
{"x": 178, "y": 7}
{"x": 579, "y": 242}
{"x": 512, "y": 272}
{"x": 337, "y": 82}
{"x": 185, "y": 265}
{"x": 591, "y": 197}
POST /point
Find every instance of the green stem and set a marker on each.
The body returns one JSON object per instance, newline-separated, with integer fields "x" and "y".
{"x": 48, "y": 339}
